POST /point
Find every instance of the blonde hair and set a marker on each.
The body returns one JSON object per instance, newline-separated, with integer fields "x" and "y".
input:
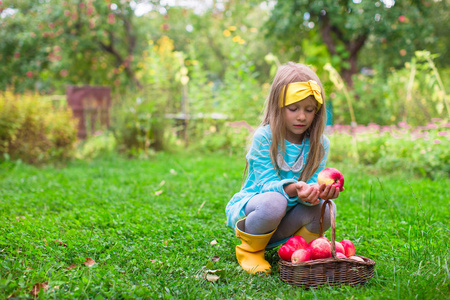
{"x": 273, "y": 116}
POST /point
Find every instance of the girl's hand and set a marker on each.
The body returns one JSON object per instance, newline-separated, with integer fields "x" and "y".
{"x": 329, "y": 191}
{"x": 307, "y": 193}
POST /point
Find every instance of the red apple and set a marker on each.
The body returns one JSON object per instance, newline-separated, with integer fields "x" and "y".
{"x": 165, "y": 26}
{"x": 340, "y": 255}
{"x": 285, "y": 252}
{"x": 301, "y": 255}
{"x": 339, "y": 248}
{"x": 331, "y": 176}
{"x": 320, "y": 248}
{"x": 297, "y": 242}
{"x": 321, "y": 237}
{"x": 357, "y": 258}
{"x": 348, "y": 247}
{"x": 111, "y": 18}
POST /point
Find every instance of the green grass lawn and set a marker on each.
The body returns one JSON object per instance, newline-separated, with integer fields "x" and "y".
{"x": 153, "y": 227}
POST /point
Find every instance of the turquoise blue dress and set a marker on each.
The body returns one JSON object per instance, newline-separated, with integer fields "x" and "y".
{"x": 262, "y": 176}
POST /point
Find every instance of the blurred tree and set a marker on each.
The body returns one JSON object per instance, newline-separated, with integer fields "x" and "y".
{"x": 204, "y": 32}
{"x": 75, "y": 42}
{"x": 49, "y": 44}
{"x": 391, "y": 28}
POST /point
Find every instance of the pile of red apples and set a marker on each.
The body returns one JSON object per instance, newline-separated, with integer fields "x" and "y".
{"x": 296, "y": 250}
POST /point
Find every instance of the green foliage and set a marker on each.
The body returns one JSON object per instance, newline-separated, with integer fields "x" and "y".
{"x": 135, "y": 126}
{"x": 226, "y": 75}
{"x": 420, "y": 151}
{"x": 33, "y": 131}
{"x": 205, "y": 35}
{"x": 163, "y": 74}
{"x": 140, "y": 122}
{"x": 389, "y": 33}
{"x": 241, "y": 96}
{"x": 193, "y": 63}
{"x": 413, "y": 94}
{"x": 220, "y": 136}
{"x": 149, "y": 224}
{"x": 47, "y": 45}
{"x": 200, "y": 90}
{"x": 99, "y": 145}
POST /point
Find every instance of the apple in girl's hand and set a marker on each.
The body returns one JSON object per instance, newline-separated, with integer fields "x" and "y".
{"x": 331, "y": 176}
{"x": 339, "y": 247}
{"x": 357, "y": 258}
{"x": 301, "y": 255}
{"x": 297, "y": 242}
{"x": 340, "y": 255}
{"x": 285, "y": 252}
{"x": 348, "y": 247}
{"x": 320, "y": 248}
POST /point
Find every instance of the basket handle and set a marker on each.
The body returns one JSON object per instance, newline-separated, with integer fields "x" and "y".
{"x": 333, "y": 225}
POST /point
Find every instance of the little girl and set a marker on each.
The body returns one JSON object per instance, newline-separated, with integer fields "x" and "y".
{"x": 280, "y": 196}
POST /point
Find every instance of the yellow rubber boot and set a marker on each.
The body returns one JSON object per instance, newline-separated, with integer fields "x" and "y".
{"x": 250, "y": 254}
{"x": 306, "y": 234}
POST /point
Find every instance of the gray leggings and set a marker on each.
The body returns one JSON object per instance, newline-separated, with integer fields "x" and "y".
{"x": 267, "y": 211}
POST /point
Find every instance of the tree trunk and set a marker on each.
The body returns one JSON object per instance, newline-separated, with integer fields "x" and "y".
{"x": 131, "y": 43}
{"x": 347, "y": 74}
{"x": 332, "y": 36}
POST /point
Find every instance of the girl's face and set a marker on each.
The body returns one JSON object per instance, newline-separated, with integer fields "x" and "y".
{"x": 298, "y": 118}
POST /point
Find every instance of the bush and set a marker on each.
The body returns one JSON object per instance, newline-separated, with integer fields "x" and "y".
{"x": 32, "y": 130}
{"x": 219, "y": 135}
{"x": 422, "y": 150}
{"x": 97, "y": 145}
{"x": 138, "y": 127}
{"x": 138, "y": 117}
{"x": 415, "y": 94}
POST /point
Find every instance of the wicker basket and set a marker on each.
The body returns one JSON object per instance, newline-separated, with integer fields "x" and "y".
{"x": 330, "y": 271}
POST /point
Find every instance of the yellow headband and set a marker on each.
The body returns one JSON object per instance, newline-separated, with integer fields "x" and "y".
{"x": 297, "y": 91}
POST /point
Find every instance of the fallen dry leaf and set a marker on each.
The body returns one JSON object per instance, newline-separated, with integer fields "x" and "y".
{"x": 214, "y": 242}
{"x": 60, "y": 243}
{"x": 89, "y": 262}
{"x": 211, "y": 277}
{"x": 71, "y": 266}
{"x": 215, "y": 259}
{"x": 157, "y": 193}
{"x": 38, "y": 287}
{"x": 208, "y": 274}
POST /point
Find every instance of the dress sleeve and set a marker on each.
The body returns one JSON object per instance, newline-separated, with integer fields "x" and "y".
{"x": 266, "y": 177}
{"x": 326, "y": 146}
